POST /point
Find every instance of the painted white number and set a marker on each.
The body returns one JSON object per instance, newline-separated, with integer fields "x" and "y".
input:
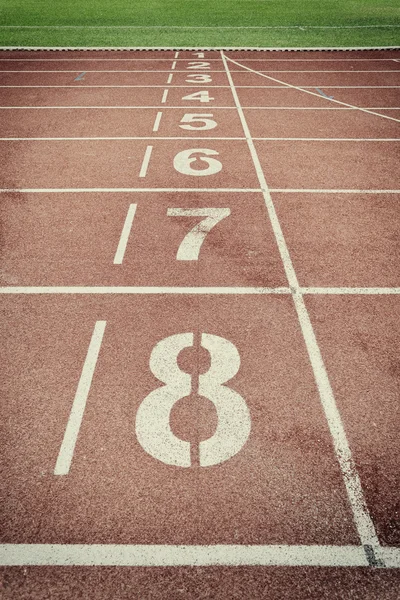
{"x": 183, "y": 161}
{"x": 202, "y": 96}
{"x": 198, "y": 118}
{"x": 199, "y": 65}
{"x": 199, "y": 78}
{"x": 190, "y": 246}
{"x": 152, "y": 419}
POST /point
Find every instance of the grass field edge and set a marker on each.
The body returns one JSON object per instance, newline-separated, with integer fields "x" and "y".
{"x": 199, "y": 48}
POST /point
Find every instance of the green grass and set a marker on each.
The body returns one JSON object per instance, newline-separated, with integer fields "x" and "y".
{"x": 200, "y": 22}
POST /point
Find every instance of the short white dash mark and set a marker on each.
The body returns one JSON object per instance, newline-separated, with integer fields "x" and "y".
{"x": 146, "y": 160}
{"x": 157, "y": 121}
{"x": 126, "y": 230}
{"x": 164, "y": 97}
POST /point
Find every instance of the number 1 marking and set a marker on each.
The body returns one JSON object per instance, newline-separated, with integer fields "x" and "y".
{"x": 123, "y": 240}
{"x": 189, "y": 248}
{"x": 198, "y": 54}
{"x": 66, "y": 453}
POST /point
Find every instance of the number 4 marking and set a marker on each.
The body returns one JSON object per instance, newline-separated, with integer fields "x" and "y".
{"x": 202, "y": 96}
{"x": 190, "y": 246}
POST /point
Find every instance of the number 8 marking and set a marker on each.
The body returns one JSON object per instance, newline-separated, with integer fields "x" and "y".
{"x": 152, "y": 419}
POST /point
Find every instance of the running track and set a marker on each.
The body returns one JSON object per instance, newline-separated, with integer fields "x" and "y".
{"x": 200, "y": 298}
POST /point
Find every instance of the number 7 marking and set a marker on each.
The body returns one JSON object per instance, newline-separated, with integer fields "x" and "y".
{"x": 190, "y": 246}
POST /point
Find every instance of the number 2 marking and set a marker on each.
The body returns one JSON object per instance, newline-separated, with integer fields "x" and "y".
{"x": 152, "y": 426}
{"x": 190, "y": 246}
{"x": 199, "y": 65}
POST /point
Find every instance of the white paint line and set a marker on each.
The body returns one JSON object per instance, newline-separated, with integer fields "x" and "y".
{"x": 72, "y": 139}
{"x": 170, "y": 76}
{"x": 146, "y": 160}
{"x": 309, "y": 139}
{"x": 164, "y": 96}
{"x": 367, "y": 291}
{"x": 169, "y": 555}
{"x": 200, "y": 49}
{"x": 313, "y": 93}
{"x": 157, "y": 121}
{"x": 173, "y": 66}
{"x": 329, "y": 191}
{"x": 78, "y": 407}
{"x": 180, "y": 107}
{"x": 176, "y": 55}
{"x": 259, "y": 50}
{"x": 391, "y": 557}
{"x": 133, "y": 71}
{"x": 197, "y": 190}
{"x": 33, "y": 290}
{"x": 119, "y": 255}
{"x": 363, "y": 521}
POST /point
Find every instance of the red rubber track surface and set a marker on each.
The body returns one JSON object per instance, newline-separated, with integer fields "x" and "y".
{"x": 299, "y": 274}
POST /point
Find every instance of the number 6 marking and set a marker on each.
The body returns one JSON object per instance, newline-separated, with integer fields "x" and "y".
{"x": 152, "y": 419}
{"x": 190, "y": 246}
{"x": 184, "y": 159}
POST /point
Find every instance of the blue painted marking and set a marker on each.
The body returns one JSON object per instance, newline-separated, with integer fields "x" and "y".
{"x": 81, "y": 76}
{"x": 323, "y": 94}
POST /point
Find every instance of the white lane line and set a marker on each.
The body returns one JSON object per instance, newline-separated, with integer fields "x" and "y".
{"x": 140, "y": 290}
{"x": 157, "y": 121}
{"x": 391, "y": 557}
{"x": 170, "y": 76}
{"x": 311, "y": 107}
{"x": 173, "y": 66}
{"x": 367, "y": 291}
{"x": 123, "y": 241}
{"x": 180, "y": 107}
{"x": 288, "y": 60}
{"x": 33, "y": 290}
{"x": 78, "y": 407}
{"x": 176, "y": 56}
{"x": 172, "y": 556}
{"x": 362, "y": 518}
{"x": 132, "y": 71}
{"x": 146, "y": 160}
{"x": 197, "y": 190}
{"x": 164, "y": 96}
{"x": 313, "y": 93}
{"x": 310, "y": 139}
{"x": 71, "y": 139}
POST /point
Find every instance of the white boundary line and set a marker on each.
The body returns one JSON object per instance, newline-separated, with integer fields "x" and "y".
{"x": 248, "y": 87}
{"x": 196, "y": 190}
{"x": 188, "y": 107}
{"x": 140, "y": 290}
{"x": 132, "y": 71}
{"x": 289, "y": 60}
{"x": 135, "y": 290}
{"x": 123, "y": 241}
{"x": 295, "y": 87}
{"x": 202, "y": 48}
{"x": 260, "y": 139}
{"x": 78, "y": 406}
{"x": 362, "y": 518}
{"x": 158, "y": 555}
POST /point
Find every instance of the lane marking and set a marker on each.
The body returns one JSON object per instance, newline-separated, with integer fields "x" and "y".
{"x": 39, "y": 71}
{"x": 356, "y": 291}
{"x": 373, "y": 561}
{"x": 323, "y": 94}
{"x": 176, "y": 56}
{"x": 259, "y": 51}
{"x": 391, "y": 557}
{"x": 173, "y": 65}
{"x": 203, "y": 49}
{"x": 369, "y": 291}
{"x": 169, "y": 555}
{"x": 170, "y": 76}
{"x": 244, "y": 87}
{"x": 140, "y": 290}
{"x": 313, "y": 93}
{"x": 179, "y": 107}
{"x": 157, "y": 121}
{"x": 123, "y": 241}
{"x": 79, "y": 78}
{"x": 146, "y": 160}
{"x": 230, "y": 190}
{"x": 78, "y": 406}
{"x": 362, "y": 518}
{"x": 156, "y": 124}
{"x": 164, "y": 96}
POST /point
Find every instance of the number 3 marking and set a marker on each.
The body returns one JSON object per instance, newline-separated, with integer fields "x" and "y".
{"x": 152, "y": 419}
{"x": 190, "y": 246}
{"x": 183, "y": 161}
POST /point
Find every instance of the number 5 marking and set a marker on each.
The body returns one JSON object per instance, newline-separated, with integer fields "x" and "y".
{"x": 152, "y": 419}
{"x": 190, "y": 246}
{"x": 188, "y": 119}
